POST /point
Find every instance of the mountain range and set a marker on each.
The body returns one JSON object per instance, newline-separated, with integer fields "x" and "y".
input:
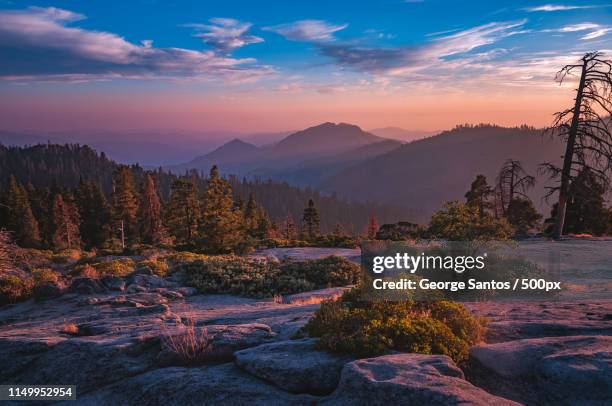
{"x": 422, "y": 174}
{"x": 343, "y": 159}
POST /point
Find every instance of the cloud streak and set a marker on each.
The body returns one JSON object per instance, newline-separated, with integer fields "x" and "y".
{"x": 225, "y": 34}
{"x": 307, "y": 30}
{"x": 39, "y": 44}
{"x": 557, "y": 7}
{"x": 596, "y": 30}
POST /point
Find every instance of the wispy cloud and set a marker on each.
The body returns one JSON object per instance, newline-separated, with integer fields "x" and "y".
{"x": 596, "y": 30}
{"x": 412, "y": 59}
{"x": 557, "y": 7}
{"x": 307, "y": 30}
{"x": 225, "y": 33}
{"x": 39, "y": 44}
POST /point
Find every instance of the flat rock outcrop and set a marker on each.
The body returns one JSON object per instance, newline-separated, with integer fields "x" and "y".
{"x": 408, "y": 379}
{"x": 552, "y": 370}
{"x": 294, "y": 365}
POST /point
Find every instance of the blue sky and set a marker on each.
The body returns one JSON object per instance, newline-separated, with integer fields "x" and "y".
{"x": 249, "y": 54}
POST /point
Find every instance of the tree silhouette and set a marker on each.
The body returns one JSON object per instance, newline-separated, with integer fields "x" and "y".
{"x": 479, "y": 194}
{"x": 310, "y": 222}
{"x": 585, "y": 128}
{"x": 512, "y": 182}
{"x": 66, "y": 221}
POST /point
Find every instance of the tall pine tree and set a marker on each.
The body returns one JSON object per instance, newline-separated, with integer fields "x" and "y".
{"x": 125, "y": 205}
{"x": 66, "y": 222}
{"x": 21, "y": 220}
{"x": 152, "y": 231}
{"x": 310, "y": 222}
{"x": 220, "y": 228}
{"x": 95, "y": 214}
{"x": 183, "y": 212}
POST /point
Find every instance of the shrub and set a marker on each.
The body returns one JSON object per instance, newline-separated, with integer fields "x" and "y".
{"x": 44, "y": 275}
{"x": 66, "y": 257}
{"x": 261, "y": 278}
{"x": 350, "y": 325}
{"x": 159, "y": 268}
{"x": 14, "y": 289}
{"x": 85, "y": 271}
{"x": 70, "y": 329}
{"x": 118, "y": 267}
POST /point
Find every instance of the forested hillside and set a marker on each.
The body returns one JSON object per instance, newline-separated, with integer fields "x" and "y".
{"x": 62, "y": 167}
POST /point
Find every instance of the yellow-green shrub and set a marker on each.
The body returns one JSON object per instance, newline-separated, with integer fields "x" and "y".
{"x": 14, "y": 289}
{"x": 261, "y": 278}
{"x": 118, "y": 267}
{"x": 364, "y": 329}
{"x": 159, "y": 268}
{"x": 44, "y": 275}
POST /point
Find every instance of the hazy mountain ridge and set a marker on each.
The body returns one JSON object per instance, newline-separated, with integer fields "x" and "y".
{"x": 339, "y": 144}
{"x": 426, "y": 173}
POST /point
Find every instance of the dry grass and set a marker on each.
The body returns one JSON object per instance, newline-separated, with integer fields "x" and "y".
{"x": 313, "y": 299}
{"x": 191, "y": 345}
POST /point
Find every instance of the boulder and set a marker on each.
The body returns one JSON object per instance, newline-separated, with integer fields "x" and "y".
{"x": 411, "y": 379}
{"x": 148, "y": 281}
{"x": 86, "y": 286}
{"x": 293, "y": 365}
{"x": 48, "y": 290}
{"x": 187, "y": 291}
{"x": 568, "y": 370}
{"x": 217, "y": 385}
{"x": 227, "y": 339}
{"x": 114, "y": 283}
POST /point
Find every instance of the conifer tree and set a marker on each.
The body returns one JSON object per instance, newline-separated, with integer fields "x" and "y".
{"x": 41, "y": 203}
{"x": 264, "y": 225}
{"x": 372, "y": 227}
{"x": 339, "y": 230}
{"x": 287, "y": 228}
{"x": 479, "y": 194}
{"x": 220, "y": 228}
{"x": 310, "y": 222}
{"x": 21, "y": 220}
{"x": 125, "y": 205}
{"x": 250, "y": 216}
{"x": 152, "y": 230}
{"x": 183, "y": 211}
{"x": 66, "y": 222}
{"x": 95, "y": 214}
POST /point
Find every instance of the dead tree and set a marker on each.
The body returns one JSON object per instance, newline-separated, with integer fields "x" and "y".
{"x": 512, "y": 182}
{"x": 585, "y": 128}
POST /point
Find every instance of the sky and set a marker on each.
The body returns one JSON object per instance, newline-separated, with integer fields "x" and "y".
{"x": 255, "y": 66}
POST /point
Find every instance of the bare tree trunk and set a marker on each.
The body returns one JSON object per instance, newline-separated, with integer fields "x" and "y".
{"x": 122, "y": 235}
{"x": 568, "y": 158}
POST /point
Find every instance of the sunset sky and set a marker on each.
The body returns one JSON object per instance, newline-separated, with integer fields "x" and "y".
{"x": 253, "y": 66}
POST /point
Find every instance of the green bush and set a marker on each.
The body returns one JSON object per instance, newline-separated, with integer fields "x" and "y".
{"x": 14, "y": 289}
{"x": 261, "y": 278}
{"x": 159, "y": 268}
{"x": 119, "y": 267}
{"x": 350, "y": 325}
{"x": 44, "y": 275}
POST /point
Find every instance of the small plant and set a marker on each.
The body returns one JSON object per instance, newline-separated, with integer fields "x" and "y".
{"x": 361, "y": 328}
{"x": 86, "y": 271}
{"x": 70, "y": 329}
{"x": 191, "y": 346}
